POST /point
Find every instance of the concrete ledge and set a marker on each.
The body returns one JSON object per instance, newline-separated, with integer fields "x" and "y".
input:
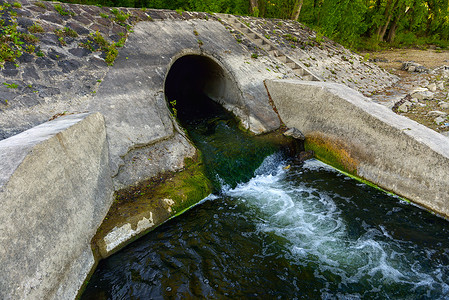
{"x": 55, "y": 189}
{"x": 368, "y": 140}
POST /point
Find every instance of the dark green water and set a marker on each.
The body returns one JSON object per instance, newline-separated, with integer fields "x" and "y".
{"x": 280, "y": 230}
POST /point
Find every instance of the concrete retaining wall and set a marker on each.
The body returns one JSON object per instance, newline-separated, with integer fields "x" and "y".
{"x": 55, "y": 189}
{"x": 368, "y": 140}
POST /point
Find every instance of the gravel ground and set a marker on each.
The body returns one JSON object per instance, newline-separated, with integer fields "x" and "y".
{"x": 428, "y": 102}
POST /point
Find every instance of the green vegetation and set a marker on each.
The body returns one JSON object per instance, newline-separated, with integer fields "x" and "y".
{"x": 10, "y": 85}
{"x": 11, "y": 40}
{"x": 40, "y": 4}
{"x": 61, "y": 10}
{"x": 29, "y": 38}
{"x": 120, "y": 16}
{"x": 368, "y": 24}
{"x": 109, "y": 49}
{"x": 35, "y": 28}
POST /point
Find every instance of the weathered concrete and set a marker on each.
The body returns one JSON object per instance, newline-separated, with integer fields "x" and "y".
{"x": 55, "y": 189}
{"x": 368, "y": 140}
{"x": 132, "y": 100}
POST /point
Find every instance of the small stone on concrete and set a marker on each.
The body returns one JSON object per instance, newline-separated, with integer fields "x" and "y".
{"x": 295, "y": 133}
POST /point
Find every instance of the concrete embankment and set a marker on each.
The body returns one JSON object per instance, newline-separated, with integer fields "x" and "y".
{"x": 367, "y": 140}
{"x": 57, "y": 180}
{"x": 55, "y": 189}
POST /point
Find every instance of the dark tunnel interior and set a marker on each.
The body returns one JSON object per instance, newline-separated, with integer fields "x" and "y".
{"x": 194, "y": 85}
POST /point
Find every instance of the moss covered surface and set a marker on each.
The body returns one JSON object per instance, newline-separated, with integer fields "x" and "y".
{"x": 332, "y": 152}
{"x": 157, "y": 199}
{"x": 336, "y": 154}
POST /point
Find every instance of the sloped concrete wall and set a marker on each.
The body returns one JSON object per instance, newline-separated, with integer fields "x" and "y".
{"x": 368, "y": 139}
{"x": 131, "y": 96}
{"x": 55, "y": 189}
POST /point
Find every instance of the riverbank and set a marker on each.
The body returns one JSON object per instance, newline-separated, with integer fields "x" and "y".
{"x": 426, "y": 80}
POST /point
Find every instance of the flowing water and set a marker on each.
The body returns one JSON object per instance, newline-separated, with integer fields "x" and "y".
{"x": 276, "y": 229}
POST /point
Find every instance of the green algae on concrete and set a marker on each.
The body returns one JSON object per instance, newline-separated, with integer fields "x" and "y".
{"x": 151, "y": 203}
{"x": 332, "y": 152}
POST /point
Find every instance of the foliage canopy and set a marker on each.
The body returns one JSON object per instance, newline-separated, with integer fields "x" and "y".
{"x": 354, "y": 23}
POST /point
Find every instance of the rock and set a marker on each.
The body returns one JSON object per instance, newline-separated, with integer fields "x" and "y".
{"x": 439, "y": 120}
{"x": 440, "y": 85}
{"x": 25, "y": 58}
{"x": 10, "y": 69}
{"x": 436, "y": 113}
{"x": 305, "y": 155}
{"x": 80, "y": 52}
{"x": 55, "y": 55}
{"x": 30, "y": 72}
{"x": 404, "y": 107}
{"x": 432, "y": 87}
{"x": 423, "y": 95}
{"x": 414, "y": 100}
{"x": 78, "y": 28}
{"x": 443, "y": 105}
{"x": 294, "y": 133}
{"x": 24, "y": 22}
{"x": 411, "y": 66}
{"x": 44, "y": 62}
{"x": 445, "y": 133}
{"x": 69, "y": 65}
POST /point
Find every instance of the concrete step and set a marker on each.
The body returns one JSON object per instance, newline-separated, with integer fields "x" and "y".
{"x": 258, "y": 42}
{"x": 282, "y": 58}
{"x": 300, "y": 71}
{"x": 308, "y": 78}
{"x": 268, "y": 48}
{"x": 292, "y": 65}
{"x": 251, "y": 35}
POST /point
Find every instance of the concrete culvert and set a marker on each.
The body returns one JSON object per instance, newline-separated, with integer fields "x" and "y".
{"x": 193, "y": 80}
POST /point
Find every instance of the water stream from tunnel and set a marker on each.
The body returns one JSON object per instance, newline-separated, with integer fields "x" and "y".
{"x": 276, "y": 228}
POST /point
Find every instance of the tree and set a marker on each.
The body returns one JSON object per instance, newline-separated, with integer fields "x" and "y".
{"x": 296, "y": 9}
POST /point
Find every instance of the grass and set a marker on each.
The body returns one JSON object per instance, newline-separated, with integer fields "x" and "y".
{"x": 29, "y": 38}
{"x": 10, "y": 85}
{"x": 109, "y": 49}
{"x": 120, "y": 16}
{"x": 40, "y": 4}
{"x": 35, "y": 28}
{"x": 62, "y": 11}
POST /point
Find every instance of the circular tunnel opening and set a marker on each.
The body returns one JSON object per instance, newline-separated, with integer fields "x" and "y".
{"x": 192, "y": 83}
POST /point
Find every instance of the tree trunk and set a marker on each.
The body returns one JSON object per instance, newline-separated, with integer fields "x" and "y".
{"x": 296, "y": 10}
{"x": 253, "y": 5}
{"x": 394, "y": 26}
{"x": 387, "y": 16}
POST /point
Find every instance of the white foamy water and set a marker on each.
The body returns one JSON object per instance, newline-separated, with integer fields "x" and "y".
{"x": 319, "y": 234}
